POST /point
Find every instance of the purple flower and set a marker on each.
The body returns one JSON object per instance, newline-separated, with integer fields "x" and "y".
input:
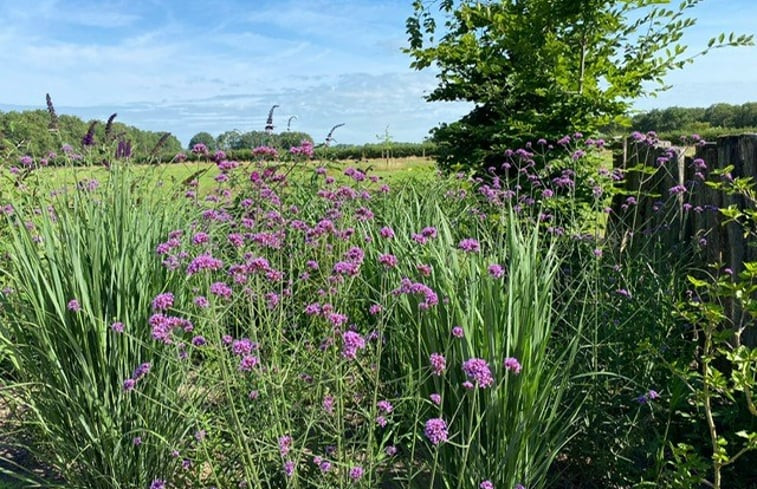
{"x": 141, "y": 371}
{"x": 389, "y": 261}
{"x": 200, "y": 148}
{"x": 486, "y": 485}
{"x": 158, "y": 484}
{"x": 391, "y": 450}
{"x": 204, "y": 262}
{"x": 512, "y": 364}
{"x": 129, "y": 385}
{"x": 73, "y": 305}
{"x": 324, "y": 466}
{"x": 289, "y": 468}
{"x": 117, "y": 327}
{"x": 356, "y": 473}
{"x": 435, "y": 398}
{"x": 351, "y": 343}
{"x": 387, "y": 232}
{"x": 624, "y": 293}
{"x": 436, "y": 430}
{"x": 137, "y": 441}
{"x": 477, "y": 369}
{"x": 162, "y": 301}
{"x": 248, "y": 362}
{"x": 438, "y": 363}
{"x": 220, "y": 289}
{"x": 328, "y": 403}
{"x": 458, "y": 332}
{"x": 385, "y": 406}
{"x": 381, "y": 421}
{"x": 496, "y": 270}
{"x": 243, "y": 346}
{"x": 285, "y": 445}
{"x": 199, "y": 341}
{"x": 469, "y": 245}
{"x": 201, "y": 302}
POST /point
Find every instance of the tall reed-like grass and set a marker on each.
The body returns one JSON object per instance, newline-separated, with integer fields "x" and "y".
{"x": 494, "y": 304}
{"x": 78, "y": 263}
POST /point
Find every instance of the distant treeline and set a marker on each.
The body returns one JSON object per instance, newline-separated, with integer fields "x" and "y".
{"x": 239, "y": 145}
{"x": 33, "y": 133}
{"x": 674, "y": 119}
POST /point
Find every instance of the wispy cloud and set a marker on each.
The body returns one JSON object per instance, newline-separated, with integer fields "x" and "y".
{"x": 179, "y": 65}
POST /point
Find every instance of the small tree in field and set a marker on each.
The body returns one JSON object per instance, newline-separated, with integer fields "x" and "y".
{"x": 203, "y": 138}
{"x": 545, "y": 68}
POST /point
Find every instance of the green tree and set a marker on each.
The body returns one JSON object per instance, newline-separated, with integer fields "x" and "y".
{"x": 544, "y": 68}
{"x": 203, "y": 138}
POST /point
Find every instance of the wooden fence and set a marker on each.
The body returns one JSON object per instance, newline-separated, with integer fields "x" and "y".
{"x": 656, "y": 176}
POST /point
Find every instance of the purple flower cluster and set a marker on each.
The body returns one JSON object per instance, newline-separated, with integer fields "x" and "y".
{"x": 436, "y": 431}
{"x": 407, "y": 286}
{"x": 477, "y": 370}
{"x": 351, "y": 343}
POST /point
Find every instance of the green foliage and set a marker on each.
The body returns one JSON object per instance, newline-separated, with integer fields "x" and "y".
{"x": 203, "y": 138}
{"x": 28, "y": 133}
{"x": 697, "y": 119}
{"x": 723, "y": 379}
{"x": 544, "y": 68}
{"x": 235, "y": 140}
{"x": 376, "y": 150}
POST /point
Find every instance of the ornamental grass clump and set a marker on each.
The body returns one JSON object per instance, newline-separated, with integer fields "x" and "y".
{"x": 75, "y": 329}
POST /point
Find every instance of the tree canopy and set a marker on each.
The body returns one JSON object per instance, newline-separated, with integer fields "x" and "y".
{"x": 544, "y": 68}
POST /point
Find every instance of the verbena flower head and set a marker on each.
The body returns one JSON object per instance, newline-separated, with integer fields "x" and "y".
{"x": 438, "y": 363}
{"x": 351, "y": 343}
{"x": 436, "y": 430}
{"x": 289, "y": 468}
{"x": 158, "y": 484}
{"x": 477, "y": 370}
{"x": 512, "y": 364}
{"x": 486, "y": 485}
{"x": 129, "y": 385}
{"x": 435, "y": 398}
{"x": 458, "y": 332}
{"x": 385, "y": 406}
{"x": 285, "y": 444}
{"x": 496, "y": 270}
{"x": 356, "y": 473}
{"x": 162, "y": 301}
{"x": 387, "y": 232}
{"x": 73, "y": 305}
{"x": 328, "y": 403}
{"x": 388, "y": 260}
{"x": 469, "y": 245}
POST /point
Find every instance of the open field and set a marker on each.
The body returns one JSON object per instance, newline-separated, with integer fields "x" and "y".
{"x": 391, "y": 171}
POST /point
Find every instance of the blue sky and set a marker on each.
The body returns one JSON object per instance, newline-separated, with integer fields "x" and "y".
{"x": 187, "y": 66}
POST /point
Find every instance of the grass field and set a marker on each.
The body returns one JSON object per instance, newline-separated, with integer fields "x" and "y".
{"x": 398, "y": 169}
